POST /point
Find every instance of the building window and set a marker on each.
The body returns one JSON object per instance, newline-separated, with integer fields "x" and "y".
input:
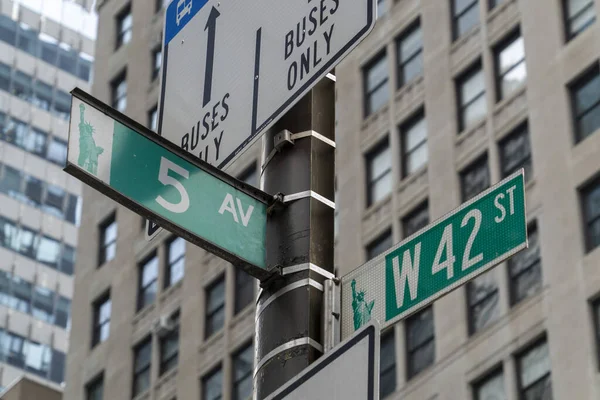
{"x": 379, "y": 172}
{"x": 102, "y": 310}
{"x": 243, "y": 363}
{"x": 590, "y": 196}
{"x": 534, "y": 372}
{"x": 169, "y": 347}
{"x": 57, "y": 152}
{"x": 579, "y": 14}
{"x": 414, "y": 145}
{"x": 465, "y": 15}
{"x": 475, "y": 179}
{"x": 43, "y": 304}
{"x": 153, "y": 119}
{"x": 215, "y": 307}
{"x": 119, "y": 92}
{"x": 147, "y": 282}
{"x": 379, "y": 245}
{"x": 483, "y": 302}
{"x": 585, "y": 102}
{"x": 156, "y": 62}
{"x": 416, "y": 220}
{"x": 490, "y": 387}
{"x": 95, "y": 389}
{"x": 387, "y": 364}
{"x": 176, "y": 261}
{"x": 141, "y": 366}
{"x": 511, "y": 70}
{"x": 244, "y": 290}
{"x": 124, "y": 24}
{"x": 525, "y": 269}
{"x": 420, "y": 342}
{"x": 108, "y": 240}
{"x": 410, "y": 54}
{"x": 515, "y": 153}
{"x": 212, "y": 385}
{"x": 376, "y": 84}
{"x": 471, "y": 97}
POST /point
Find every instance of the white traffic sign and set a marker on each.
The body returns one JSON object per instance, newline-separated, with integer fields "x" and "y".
{"x": 350, "y": 371}
{"x": 232, "y": 68}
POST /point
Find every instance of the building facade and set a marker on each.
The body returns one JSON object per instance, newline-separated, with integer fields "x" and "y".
{"x": 46, "y": 49}
{"x": 442, "y": 100}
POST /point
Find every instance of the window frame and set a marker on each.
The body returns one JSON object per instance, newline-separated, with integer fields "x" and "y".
{"x": 537, "y": 263}
{"x": 151, "y": 113}
{"x": 102, "y": 246}
{"x": 382, "y": 146}
{"x": 141, "y": 288}
{"x": 238, "y": 305}
{"x": 97, "y": 325}
{"x": 410, "y": 370}
{"x": 567, "y": 20}
{"x": 115, "y": 82}
{"x": 405, "y": 129}
{"x": 121, "y": 33}
{"x": 378, "y": 241}
{"x": 423, "y": 206}
{"x": 578, "y": 83}
{"x": 585, "y": 191}
{"x": 365, "y": 74}
{"x": 94, "y": 384}
{"x": 208, "y": 315}
{"x": 234, "y": 358}
{"x": 455, "y": 17}
{"x": 477, "y": 162}
{"x": 595, "y": 305}
{"x": 137, "y": 371}
{"x": 389, "y": 333}
{"x": 480, "y": 381}
{"x": 410, "y": 29}
{"x": 470, "y": 307}
{"x": 218, "y": 369}
{"x": 168, "y": 279}
{"x": 501, "y": 46}
{"x": 165, "y": 359}
{"x": 156, "y": 51}
{"x": 521, "y": 129}
{"x": 467, "y": 74}
{"x": 520, "y": 354}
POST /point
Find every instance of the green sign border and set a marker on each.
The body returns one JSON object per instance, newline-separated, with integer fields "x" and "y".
{"x": 77, "y": 172}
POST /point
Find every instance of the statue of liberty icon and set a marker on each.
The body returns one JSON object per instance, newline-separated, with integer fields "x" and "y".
{"x": 88, "y": 151}
{"x": 361, "y": 309}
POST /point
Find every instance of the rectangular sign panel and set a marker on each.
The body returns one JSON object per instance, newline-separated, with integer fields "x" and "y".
{"x": 350, "y": 371}
{"x": 468, "y": 241}
{"x": 232, "y": 68}
{"x": 149, "y": 175}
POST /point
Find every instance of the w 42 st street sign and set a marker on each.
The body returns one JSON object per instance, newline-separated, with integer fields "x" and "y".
{"x": 154, "y": 178}
{"x": 465, "y": 243}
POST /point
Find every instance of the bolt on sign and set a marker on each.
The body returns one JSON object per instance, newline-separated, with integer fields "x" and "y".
{"x": 154, "y": 178}
{"x": 441, "y": 257}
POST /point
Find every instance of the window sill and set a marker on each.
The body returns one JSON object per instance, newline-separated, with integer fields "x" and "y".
{"x": 419, "y": 174}
{"x": 375, "y": 207}
{"x": 460, "y": 41}
{"x": 374, "y": 116}
{"x": 170, "y": 291}
{"x": 166, "y": 377}
{"x": 243, "y": 314}
{"x": 143, "y": 396}
{"x": 469, "y": 132}
{"x": 143, "y": 313}
{"x": 499, "y": 9}
{"x": 408, "y": 87}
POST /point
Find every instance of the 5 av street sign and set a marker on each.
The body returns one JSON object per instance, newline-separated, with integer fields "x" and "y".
{"x": 232, "y": 68}
{"x": 154, "y": 178}
{"x": 468, "y": 241}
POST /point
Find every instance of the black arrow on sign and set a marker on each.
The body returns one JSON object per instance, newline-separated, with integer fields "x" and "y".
{"x": 211, "y": 25}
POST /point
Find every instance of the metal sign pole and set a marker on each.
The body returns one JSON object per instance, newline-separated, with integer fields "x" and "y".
{"x": 298, "y": 161}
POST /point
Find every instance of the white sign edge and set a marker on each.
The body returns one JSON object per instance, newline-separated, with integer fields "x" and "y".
{"x": 370, "y": 330}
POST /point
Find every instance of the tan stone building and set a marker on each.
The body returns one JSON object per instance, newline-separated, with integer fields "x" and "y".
{"x": 443, "y": 99}
{"x": 29, "y": 388}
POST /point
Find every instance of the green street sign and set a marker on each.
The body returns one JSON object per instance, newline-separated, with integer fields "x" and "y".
{"x": 149, "y": 175}
{"x": 439, "y": 258}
